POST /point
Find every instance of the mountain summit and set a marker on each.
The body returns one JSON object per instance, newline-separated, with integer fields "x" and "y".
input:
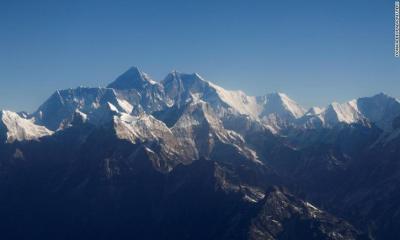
{"x": 281, "y": 105}
{"x": 133, "y": 78}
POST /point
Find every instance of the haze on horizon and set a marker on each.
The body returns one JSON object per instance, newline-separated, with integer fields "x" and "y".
{"x": 316, "y": 52}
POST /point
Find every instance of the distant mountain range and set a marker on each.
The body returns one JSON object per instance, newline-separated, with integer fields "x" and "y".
{"x": 184, "y": 158}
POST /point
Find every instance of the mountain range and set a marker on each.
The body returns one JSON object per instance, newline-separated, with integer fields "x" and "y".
{"x": 183, "y": 158}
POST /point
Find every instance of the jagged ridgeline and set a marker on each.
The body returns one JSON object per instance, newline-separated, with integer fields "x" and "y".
{"x": 183, "y": 158}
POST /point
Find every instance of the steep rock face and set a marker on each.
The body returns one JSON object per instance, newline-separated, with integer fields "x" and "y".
{"x": 380, "y": 109}
{"x": 312, "y": 119}
{"x": 133, "y": 78}
{"x": 345, "y": 113}
{"x": 163, "y": 147}
{"x": 138, "y": 89}
{"x": 199, "y": 126}
{"x": 282, "y": 216}
{"x": 98, "y": 104}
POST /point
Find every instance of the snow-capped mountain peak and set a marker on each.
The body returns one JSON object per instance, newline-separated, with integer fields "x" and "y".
{"x": 314, "y": 111}
{"x": 281, "y": 105}
{"x": 345, "y": 112}
{"x": 133, "y": 78}
{"x": 381, "y": 109}
{"x": 180, "y": 86}
{"x": 333, "y": 114}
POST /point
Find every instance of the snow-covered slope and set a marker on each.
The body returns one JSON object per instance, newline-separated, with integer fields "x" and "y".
{"x": 98, "y": 104}
{"x": 139, "y": 90}
{"x": 333, "y": 114}
{"x": 181, "y": 87}
{"x": 379, "y": 109}
{"x": 17, "y": 128}
{"x": 281, "y": 105}
{"x": 345, "y": 113}
{"x": 279, "y": 111}
{"x": 276, "y": 110}
{"x": 201, "y": 127}
{"x": 140, "y": 128}
{"x": 239, "y": 101}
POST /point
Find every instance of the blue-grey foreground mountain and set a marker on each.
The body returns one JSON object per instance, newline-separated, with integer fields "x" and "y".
{"x": 186, "y": 159}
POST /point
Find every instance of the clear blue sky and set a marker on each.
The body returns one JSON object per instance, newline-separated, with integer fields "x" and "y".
{"x": 315, "y": 51}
